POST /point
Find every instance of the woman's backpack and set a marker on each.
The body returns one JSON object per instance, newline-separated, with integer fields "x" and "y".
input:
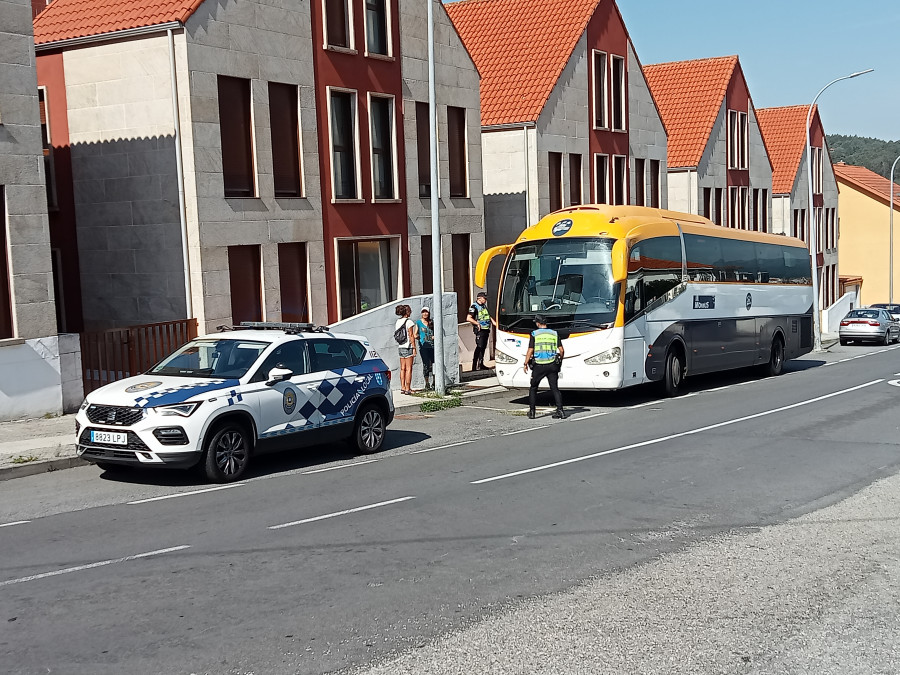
{"x": 401, "y": 335}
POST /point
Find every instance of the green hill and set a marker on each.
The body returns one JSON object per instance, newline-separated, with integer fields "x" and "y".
{"x": 872, "y": 153}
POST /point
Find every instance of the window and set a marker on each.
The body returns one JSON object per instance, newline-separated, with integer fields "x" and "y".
{"x": 820, "y": 229}
{"x": 456, "y": 140}
{"x": 600, "y": 98}
{"x": 800, "y": 224}
{"x": 738, "y": 140}
{"x": 246, "y": 283}
{"x": 462, "y": 280}
{"x": 367, "y": 274}
{"x": 574, "y": 179}
{"x": 236, "y": 129}
{"x": 343, "y": 144}
{"x": 284, "y": 116}
{"x": 377, "y": 27}
{"x": 618, "y": 93}
{"x": 719, "y": 206}
{"x": 601, "y": 179}
{"x": 329, "y": 354}
{"x": 620, "y": 180}
{"x": 427, "y": 272}
{"x": 707, "y": 208}
{"x": 290, "y": 355}
{"x": 423, "y": 148}
{"x": 654, "y": 268}
{"x": 337, "y": 24}
{"x": 738, "y": 198}
{"x": 640, "y": 181}
{"x": 817, "y": 159}
{"x": 381, "y": 110}
{"x": 6, "y": 316}
{"x": 655, "y": 184}
{"x": 292, "y": 274}
{"x": 761, "y": 210}
{"x": 49, "y": 165}
{"x": 556, "y": 188}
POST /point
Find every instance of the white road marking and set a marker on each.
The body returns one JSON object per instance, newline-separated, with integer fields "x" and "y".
{"x": 718, "y": 388}
{"x": 341, "y": 513}
{"x": 342, "y": 466}
{"x": 15, "y": 522}
{"x": 449, "y": 445}
{"x": 642, "y": 405}
{"x": 587, "y": 417}
{"x": 524, "y": 431}
{"x": 663, "y": 439}
{"x": 89, "y": 566}
{"x": 186, "y": 494}
{"x": 894, "y": 383}
{"x": 482, "y": 407}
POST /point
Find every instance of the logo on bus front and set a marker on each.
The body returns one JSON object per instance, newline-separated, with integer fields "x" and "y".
{"x": 561, "y": 227}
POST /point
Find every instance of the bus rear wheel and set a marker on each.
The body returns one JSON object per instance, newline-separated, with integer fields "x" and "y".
{"x": 674, "y": 374}
{"x": 776, "y": 360}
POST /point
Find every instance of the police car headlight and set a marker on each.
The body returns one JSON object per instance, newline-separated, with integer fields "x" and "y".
{"x": 609, "y": 356}
{"x": 502, "y": 357}
{"x": 177, "y": 410}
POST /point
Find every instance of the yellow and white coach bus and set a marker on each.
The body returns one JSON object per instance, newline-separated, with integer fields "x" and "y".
{"x": 647, "y": 295}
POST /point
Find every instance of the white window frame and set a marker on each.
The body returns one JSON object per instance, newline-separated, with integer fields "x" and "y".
{"x": 623, "y": 103}
{"x": 624, "y": 186}
{"x": 601, "y": 159}
{"x": 604, "y": 74}
{"x": 738, "y": 139}
{"x": 356, "y": 150}
{"x": 388, "y": 33}
{"x": 394, "y": 172}
{"x": 818, "y": 156}
{"x": 466, "y": 113}
{"x": 351, "y": 29}
{"x": 395, "y": 253}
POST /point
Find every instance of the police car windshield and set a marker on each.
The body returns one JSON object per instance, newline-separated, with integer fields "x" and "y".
{"x": 217, "y": 359}
{"x": 568, "y": 280}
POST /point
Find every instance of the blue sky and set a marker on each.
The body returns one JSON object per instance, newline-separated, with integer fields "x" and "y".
{"x": 789, "y": 49}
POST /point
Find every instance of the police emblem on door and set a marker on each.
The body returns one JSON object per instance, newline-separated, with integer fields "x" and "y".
{"x": 749, "y": 302}
{"x": 289, "y": 401}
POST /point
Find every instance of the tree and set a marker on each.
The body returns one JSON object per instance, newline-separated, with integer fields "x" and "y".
{"x": 872, "y": 153}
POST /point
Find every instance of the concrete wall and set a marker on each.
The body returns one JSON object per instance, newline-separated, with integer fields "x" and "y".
{"x": 263, "y": 42}
{"x": 781, "y": 215}
{"x": 121, "y": 132}
{"x": 647, "y": 137}
{"x": 457, "y": 84}
{"x": 70, "y": 371}
{"x": 760, "y": 167}
{"x": 712, "y": 169}
{"x": 682, "y": 190}
{"x": 378, "y": 326}
{"x": 831, "y": 316}
{"x": 29, "y": 362}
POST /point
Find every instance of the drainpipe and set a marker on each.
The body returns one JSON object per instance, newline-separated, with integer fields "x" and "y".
{"x": 179, "y": 169}
{"x": 527, "y": 180}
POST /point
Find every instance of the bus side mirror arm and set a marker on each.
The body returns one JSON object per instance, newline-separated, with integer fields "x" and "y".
{"x": 620, "y": 261}
{"x": 484, "y": 260}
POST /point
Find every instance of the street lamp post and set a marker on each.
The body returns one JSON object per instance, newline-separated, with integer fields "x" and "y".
{"x": 437, "y": 285}
{"x": 813, "y": 229}
{"x": 891, "y": 266}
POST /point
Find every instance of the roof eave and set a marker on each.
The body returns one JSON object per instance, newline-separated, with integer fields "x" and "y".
{"x": 106, "y": 37}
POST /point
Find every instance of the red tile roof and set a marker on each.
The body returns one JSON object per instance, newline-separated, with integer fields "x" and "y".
{"x": 784, "y": 130}
{"x": 689, "y": 95}
{"x": 67, "y": 19}
{"x": 867, "y": 181}
{"x": 520, "y": 48}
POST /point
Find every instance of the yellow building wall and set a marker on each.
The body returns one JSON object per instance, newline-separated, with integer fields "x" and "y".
{"x": 864, "y": 243}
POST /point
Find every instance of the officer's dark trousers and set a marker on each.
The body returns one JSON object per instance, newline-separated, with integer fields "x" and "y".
{"x": 481, "y": 342}
{"x": 538, "y": 373}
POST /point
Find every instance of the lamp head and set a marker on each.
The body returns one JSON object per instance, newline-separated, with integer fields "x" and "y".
{"x": 862, "y": 72}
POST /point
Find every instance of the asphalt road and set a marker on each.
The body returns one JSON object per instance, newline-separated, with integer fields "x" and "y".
{"x": 321, "y": 561}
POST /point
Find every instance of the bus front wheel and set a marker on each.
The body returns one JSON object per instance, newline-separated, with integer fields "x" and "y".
{"x": 674, "y": 374}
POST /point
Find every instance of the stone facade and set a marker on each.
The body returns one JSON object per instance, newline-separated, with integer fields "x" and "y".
{"x": 29, "y": 360}
{"x": 647, "y": 136}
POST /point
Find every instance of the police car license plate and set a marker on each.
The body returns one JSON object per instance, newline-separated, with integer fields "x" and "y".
{"x": 111, "y": 437}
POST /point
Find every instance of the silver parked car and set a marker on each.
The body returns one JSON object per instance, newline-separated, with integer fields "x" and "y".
{"x": 894, "y": 309}
{"x": 871, "y": 324}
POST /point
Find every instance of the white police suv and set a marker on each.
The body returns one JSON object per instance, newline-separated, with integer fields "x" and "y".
{"x": 223, "y": 398}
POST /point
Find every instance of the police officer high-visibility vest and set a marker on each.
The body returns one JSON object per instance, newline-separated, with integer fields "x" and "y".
{"x": 482, "y": 316}
{"x": 546, "y": 344}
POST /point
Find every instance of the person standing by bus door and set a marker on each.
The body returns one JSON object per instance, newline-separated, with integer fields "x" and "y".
{"x": 481, "y": 321}
{"x": 546, "y": 350}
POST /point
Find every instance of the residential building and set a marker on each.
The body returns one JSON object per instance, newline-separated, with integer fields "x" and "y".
{"x": 566, "y": 114}
{"x": 864, "y": 245}
{"x": 251, "y": 160}
{"x": 785, "y": 132}
{"x": 30, "y": 379}
{"x": 718, "y": 162}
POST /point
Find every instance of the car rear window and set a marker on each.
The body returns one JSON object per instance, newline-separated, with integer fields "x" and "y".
{"x": 863, "y": 314}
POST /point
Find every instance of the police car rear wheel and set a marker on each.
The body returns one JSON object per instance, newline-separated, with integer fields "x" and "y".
{"x": 227, "y": 454}
{"x": 369, "y": 430}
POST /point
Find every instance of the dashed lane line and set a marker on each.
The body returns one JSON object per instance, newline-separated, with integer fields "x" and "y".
{"x": 335, "y": 468}
{"x": 525, "y": 431}
{"x": 340, "y": 513}
{"x": 186, "y": 494}
{"x": 15, "y": 522}
{"x": 449, "y": 445}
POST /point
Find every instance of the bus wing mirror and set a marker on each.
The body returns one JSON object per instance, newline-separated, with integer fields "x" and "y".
{"x": 485, "y": 259}
{"x": 620, "y": 261}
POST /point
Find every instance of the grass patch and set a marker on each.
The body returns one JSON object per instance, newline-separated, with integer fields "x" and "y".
{"x": 24, "y": 459}
{"x": 435, "y": 403}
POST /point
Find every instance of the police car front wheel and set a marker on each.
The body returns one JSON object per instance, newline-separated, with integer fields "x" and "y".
{"x": 227, "y": 454}
{"x": 369, "y": 430}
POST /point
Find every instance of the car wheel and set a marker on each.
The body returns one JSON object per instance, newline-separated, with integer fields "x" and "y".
{"x": 887, "y": 338}
{"x": 369, "y": 429}
{"x": 227, "y": 453}
{"x": 776, "y": 359}
{"x": 674, "y": 374}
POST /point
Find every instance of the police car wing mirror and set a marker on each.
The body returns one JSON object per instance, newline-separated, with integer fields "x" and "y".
{"x": 620, "y": 261}
{"x": 279, "y": 375}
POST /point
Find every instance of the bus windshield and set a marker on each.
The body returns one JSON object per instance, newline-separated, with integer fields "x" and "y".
{"x": 568, "y": 280}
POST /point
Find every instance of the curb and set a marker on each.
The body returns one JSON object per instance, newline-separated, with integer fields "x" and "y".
{"x": 44, "y": 466}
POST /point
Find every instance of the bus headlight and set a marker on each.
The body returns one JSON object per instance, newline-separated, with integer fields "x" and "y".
{"x": 609, "y": 356}
{"x": 503, "y": 357}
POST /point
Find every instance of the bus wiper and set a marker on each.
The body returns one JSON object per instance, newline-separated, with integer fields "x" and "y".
{"x": 591, "y": 324}
{"x": 518, "y": 321}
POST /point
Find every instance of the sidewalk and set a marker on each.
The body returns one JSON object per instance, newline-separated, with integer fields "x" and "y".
{"x": 28, "y": 447}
